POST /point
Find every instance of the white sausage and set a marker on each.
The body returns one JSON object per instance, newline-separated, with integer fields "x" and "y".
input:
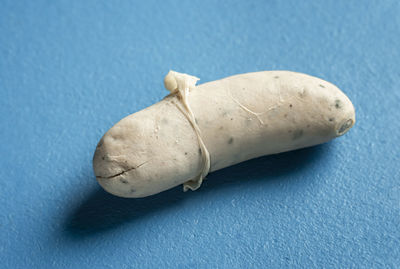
{"x": 239, "y": 117}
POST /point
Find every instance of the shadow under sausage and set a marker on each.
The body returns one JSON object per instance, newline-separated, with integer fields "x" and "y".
{"x": 101, "y": 211}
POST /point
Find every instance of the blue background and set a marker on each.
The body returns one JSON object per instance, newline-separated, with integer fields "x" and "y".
{"x": 69, "y": 70}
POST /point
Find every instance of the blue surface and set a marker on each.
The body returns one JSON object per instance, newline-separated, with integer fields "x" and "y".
{"x": 69, "y": 70}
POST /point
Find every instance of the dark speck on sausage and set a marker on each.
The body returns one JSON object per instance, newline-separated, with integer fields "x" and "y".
{"x": 297, "y": 134}
{"x": 230, "y": 141}
{"x": 338, "y": 104}
{"x": 124, "y": 181}
{"x": 322, "y": 86}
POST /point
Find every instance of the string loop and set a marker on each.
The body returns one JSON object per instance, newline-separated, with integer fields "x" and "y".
{"x": 181, "y": 84}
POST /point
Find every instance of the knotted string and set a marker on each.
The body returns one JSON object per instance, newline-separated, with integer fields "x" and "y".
{"x": 181, "y": 84}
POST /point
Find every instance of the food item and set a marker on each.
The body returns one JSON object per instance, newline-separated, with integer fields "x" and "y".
{"x": 198, "y": 129}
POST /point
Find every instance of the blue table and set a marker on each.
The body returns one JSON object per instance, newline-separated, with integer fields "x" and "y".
{"x": 69, "y": 70}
